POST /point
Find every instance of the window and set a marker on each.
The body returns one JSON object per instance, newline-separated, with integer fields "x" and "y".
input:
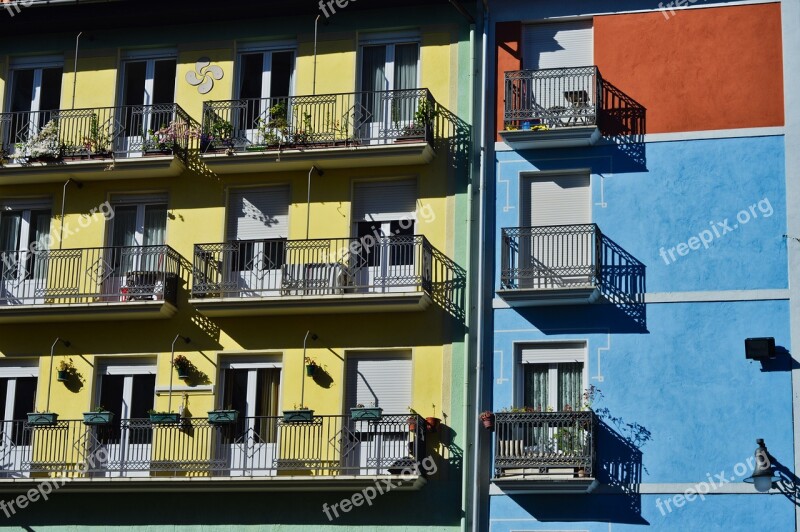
{"x": 17, "y": 398}
{"x": 24, "y": 230}
{"x": 265, "y": 84}
{"x": 35, "y": 93}
{"x": 552, "y": 376}
{"x": 558, "y": 45}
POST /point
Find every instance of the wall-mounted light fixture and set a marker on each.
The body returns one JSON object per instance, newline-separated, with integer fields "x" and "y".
{"x": 759, "y": 348}
{"x": 763, "y": 475}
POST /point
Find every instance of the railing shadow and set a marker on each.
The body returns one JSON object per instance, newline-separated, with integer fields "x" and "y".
{"x": 623, "y": 121}
{"x": 623, "y": 281}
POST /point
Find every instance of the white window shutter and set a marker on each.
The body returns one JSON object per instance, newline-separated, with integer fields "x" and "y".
{"x": 556, "y": 200}
{"x": 558, "y": 45}
{"x": 384, "y": 201}
{"x": 384, "y": 380}
{"x": 258, "y": 213}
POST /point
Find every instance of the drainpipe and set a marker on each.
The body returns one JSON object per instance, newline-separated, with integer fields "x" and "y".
{"x": 302, "y": 369}
{"x": 478, "y": 463}
{"x": 63, "y": 201}
{"x": 50, "y": 380}
{"x": 314, "y": 82}
{"x": 75, "y": 69}
{"x": 172, "y": 373}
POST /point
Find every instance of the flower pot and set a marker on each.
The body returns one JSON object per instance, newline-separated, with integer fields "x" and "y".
{"x": 365, "y": 414}
{"x": 432, "y": 423}
{"x": 43, "y": 418}
{"x": 412, "y": 424}
{"x": 157, "y": 153}
{"x": 488, "y": 422}
{"x": 63, "y": 375}
{"x": 98, "y": 418}
{"x": 164, "y": 418}
{"x": 298, "y": 416}
{"x": 311, "y": 370}
{"x": 223, "y": 417}
{"x": 183, "y": 373}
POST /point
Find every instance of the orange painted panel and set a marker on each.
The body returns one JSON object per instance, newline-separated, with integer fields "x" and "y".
{"x": 509, "y": 57}
{"x": 702, "y": 69}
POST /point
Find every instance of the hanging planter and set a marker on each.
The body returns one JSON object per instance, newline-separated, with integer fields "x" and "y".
{"x": 183, "y": 366}
{"x": 311, "y": 367}
{"x": 63, "y": 376}
{"x": 412, "y": 423}
{"x": 42, "y": 418}
{"x": 365, "y": 414}
{"x": 223, "y": 417}
{"x": 432, "y": 423}
{"x": 99, "y": 417}
{"x": 303, "y": 415}
{"x": 164, "y": 418}
{"x": 66, "y": 369}
{"x": 487, "y": 418}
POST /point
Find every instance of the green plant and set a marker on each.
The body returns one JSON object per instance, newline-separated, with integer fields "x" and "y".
{"x": 99, "y": 409}
{"x": 43, "y": 145}
{"x": 66, "y": 365}
{"x": 590, "y": 395}
{"x": 183, "y": 365}
{"x": 99, "y": 139}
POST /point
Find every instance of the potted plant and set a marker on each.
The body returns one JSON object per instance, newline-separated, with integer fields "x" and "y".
{"x": 359, "y": 412}
{"x": 44, "y": 146}
{"x": 219, "y": 130}
{"x": 311, "y": 367}
{"x": 298, "y": 415}
{"x": 66, "y": 369}
{"x": 97, "y": 144}
{"x": 488, "y": 419}
{"x": 42, "y": 418}
{"x": 98, "y": 416}
{"x": 432, "y": 423}
{"x": 184, "y": 366}
{"x": 163, "y": 418}
{"x": 412, "y": 420}
{"x": 272, "y": 132}
{"x": 424, "y": 117}
{"x": 223, "y": 417}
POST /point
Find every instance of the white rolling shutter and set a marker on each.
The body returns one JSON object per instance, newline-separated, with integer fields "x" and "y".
{"x": 556, "y": 200}
{"x": 554, "y": 352}
{"x": 384, "y": 201}
{"x": 384, "y": 380}
{"x": 258, "y": 213}
{"x": 558, "y": 45}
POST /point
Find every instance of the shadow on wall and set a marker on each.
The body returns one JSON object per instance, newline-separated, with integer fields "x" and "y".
{"x": 622, "y": 282}
{"x": 619, "y": 459}
{"x": 623, "y": 121}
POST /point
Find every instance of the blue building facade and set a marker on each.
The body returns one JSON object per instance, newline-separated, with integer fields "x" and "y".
{"x": 634, "y": 249}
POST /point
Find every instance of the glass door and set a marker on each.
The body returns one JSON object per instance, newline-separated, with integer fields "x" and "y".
{"x": 389, "y": 264}
{"x": 249, "y": 448}
{"x": 35, "y": 96}
{"x": 17, "y": 398}
{"x": 265, "y": 83}
{"x": 147, "y": 87}
{"x": 24, "y": 272}
{"x": 136, "y": 233}
{"x": 128, "y": 392}
{"x": 385, "y": 69}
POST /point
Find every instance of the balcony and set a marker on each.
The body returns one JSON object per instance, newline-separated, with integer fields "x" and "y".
{"x": 362, "y": 129}
{"x": 264, "y": 453}
{"x": 550, "y": 265}
{"x": 552, "y": 108}
{"x": 256, "y": 277}
{"x": 91, "y": 283}
{"x": 545, "y": 452}
{"x": 103, "y": 143}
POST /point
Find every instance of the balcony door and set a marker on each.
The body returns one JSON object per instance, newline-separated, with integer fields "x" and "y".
{"x": 553, "y": 380}
{"x": 384, "y": 223}
{"x": 128, "y": 390}
{"x": 147, "y": 92}
{"x": 265, "y": 84}
{"x": 23, "y": 227}
{"x": 381, "y": 380}
{"x": 555, "y": 254}
{"x": 386, "y": 68}
{"x": 135, "y": 255}
{"x": 17, "y": 397}
{"x": 35, "y": 94}
{"x": 249, "y": 448}
{"x": 257, "y": 228}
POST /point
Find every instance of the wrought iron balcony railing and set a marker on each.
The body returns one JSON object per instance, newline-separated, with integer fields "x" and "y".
{"x": 553, "y": 98}
{"x": 545, "y": 445}
{"x": 550, "y": 257}
{"x": 320, "y": 121}
{"x": 89, "y": 275}
{"x": 96, "y": 133}
{"x": 320, "y": 267}
{"x": 250, "y": 447}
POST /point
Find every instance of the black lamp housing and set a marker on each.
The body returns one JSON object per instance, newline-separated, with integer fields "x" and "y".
{"x": 759, "y": 348}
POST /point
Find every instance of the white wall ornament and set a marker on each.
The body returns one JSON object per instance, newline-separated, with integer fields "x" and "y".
{"x": 204, "y": 75}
